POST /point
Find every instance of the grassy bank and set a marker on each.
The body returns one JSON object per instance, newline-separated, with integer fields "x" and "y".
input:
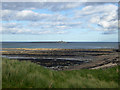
{"x": 25, "y": 74}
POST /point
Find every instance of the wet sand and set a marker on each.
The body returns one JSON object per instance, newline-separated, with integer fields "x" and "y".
{"x": 65, "y": 59}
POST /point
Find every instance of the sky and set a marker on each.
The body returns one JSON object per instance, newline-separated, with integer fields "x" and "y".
{"x": 56, "y": 21}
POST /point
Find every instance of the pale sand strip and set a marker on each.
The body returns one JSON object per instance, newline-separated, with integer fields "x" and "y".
{"x": 105, "y": 66}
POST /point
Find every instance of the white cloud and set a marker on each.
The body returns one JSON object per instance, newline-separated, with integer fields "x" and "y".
{"x": 56, "y": 25}
{"x": 29, "y": 15}
{"x": 24, "y": 15}
{"x": 104, "y": 16}
{"x": 38, "y": 27}
{"x": 94, "y": 10}
{"x": 16, "y": 30}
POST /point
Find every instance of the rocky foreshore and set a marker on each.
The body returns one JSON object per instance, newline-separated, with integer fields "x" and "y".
{"x": 65, "y": 59}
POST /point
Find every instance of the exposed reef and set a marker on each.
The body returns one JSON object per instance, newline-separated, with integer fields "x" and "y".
{"x": 65, "y": 59}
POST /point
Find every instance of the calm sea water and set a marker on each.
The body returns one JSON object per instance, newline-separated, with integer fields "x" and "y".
{"x": 69, "y": 45}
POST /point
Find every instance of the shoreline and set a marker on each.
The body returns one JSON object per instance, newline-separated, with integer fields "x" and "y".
{"x": 66, "y": 59}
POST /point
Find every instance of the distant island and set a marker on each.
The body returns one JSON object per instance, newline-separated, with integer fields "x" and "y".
{"x": 62, "y": 42}
{"x": 50, "y": 42}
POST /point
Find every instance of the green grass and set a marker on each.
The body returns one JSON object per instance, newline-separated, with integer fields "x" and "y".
{"x": 24, "y": 74}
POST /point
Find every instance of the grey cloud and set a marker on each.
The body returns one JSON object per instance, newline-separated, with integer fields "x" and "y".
{"x": 53, "y": 6}
{"x": 109, "y": 32}
{"x": 12, "y": 25}
{"x": 20, "y": 5}
{"x": 98, "y": 3}
{"x": 119, "y": 11}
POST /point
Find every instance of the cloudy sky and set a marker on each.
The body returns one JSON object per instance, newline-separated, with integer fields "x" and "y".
{"x": 54, "y": 21}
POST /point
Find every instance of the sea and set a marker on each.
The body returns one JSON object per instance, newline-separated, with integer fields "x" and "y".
{"x": 64, "y": 45}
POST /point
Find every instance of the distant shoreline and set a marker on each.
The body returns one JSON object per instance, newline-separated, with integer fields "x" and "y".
{"x": 55, "y": 42}
{"x": 62, "y": 49}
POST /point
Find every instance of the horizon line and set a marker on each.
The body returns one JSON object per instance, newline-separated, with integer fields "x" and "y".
{"x": 51, "y": 41}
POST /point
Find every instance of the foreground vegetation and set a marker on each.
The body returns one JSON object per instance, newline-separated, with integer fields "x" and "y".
{"x": 24, "y": 74}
